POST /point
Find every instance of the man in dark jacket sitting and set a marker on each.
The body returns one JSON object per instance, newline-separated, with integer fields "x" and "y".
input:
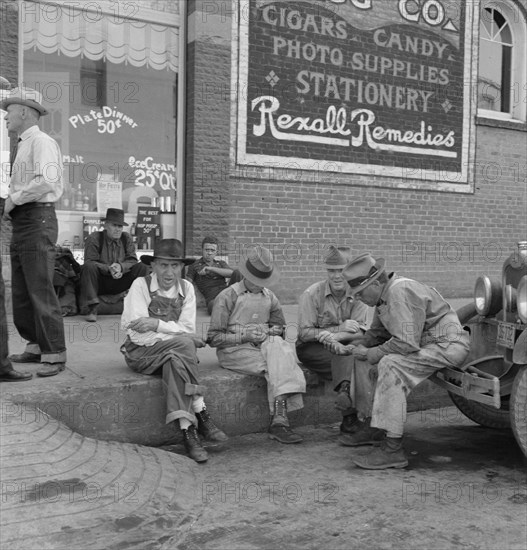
{"x": 110, "y": 263}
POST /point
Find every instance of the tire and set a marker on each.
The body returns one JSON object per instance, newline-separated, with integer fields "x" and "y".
{"x": 485, "y": 415}
{"x": 518, "y": 409}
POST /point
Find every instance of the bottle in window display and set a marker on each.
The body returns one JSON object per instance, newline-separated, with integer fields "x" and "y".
{"x": 78, "y": 198}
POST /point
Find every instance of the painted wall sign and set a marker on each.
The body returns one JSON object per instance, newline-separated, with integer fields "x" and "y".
{"x": 373, "y": 87}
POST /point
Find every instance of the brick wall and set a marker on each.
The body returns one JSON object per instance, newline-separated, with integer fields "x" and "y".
{"x": 444, "y": 239}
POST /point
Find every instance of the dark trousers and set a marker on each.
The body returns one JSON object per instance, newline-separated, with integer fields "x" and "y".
{"x": 5, "y": 364}
{"x": 315, "y": 357}
{"x": 93, "y": 283}
{"x": 36, "y": 308}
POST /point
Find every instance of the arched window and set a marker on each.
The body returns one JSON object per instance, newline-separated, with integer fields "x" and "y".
{"x": 502, "y": 54}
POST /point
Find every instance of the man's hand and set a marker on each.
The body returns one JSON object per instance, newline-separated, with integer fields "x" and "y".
{"x": 360, "y": 352}
{"x": 144, "y": 324}
{"x": 275, "y": 330}
{"x": 205, "y": 270}
{"x": 8, "y": 206}
{"x": 326, "y": 338}
{"x": 255, "y": 334}
{"x": 339, "y": 349}
{"x": 116, "y": 270}
{"x": 349, "y": 325}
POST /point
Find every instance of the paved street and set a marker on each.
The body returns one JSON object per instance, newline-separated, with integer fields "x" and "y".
{"x": 465, "y": 488}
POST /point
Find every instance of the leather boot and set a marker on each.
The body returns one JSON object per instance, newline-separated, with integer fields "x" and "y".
{"x": 390, "y": 454}
{"x": 343, "y": 400}
{"x": 208, "y": 429}
{"x": 193, "y": 444}
{"x": 279, "y": 428}
{"x": 350, "y": 424}
{"x": 365, "y": 436}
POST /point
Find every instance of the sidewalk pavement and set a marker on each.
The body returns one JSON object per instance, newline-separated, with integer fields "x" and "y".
{"x": 99, "y": 396}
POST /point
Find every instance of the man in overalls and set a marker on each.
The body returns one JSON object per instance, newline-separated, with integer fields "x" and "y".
{"x": 246, "y": 327}
{"x": 160, "y": 320}
{"x": 414, "y": 333}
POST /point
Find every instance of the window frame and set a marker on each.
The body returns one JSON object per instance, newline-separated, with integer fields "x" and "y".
{"x": 516, "y": 18}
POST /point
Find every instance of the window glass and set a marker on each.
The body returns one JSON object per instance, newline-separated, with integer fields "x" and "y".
{"x": 111, "y": 87}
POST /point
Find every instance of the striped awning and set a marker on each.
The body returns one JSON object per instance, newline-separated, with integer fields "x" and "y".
{"x": 68, "y": 29}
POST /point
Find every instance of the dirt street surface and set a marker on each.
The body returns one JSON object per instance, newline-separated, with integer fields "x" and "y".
{"x": 465, "y": 487}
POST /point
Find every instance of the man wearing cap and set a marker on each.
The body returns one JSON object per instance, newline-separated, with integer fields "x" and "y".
{"x": 110, "y": 264}
{"x": 414, "y": 333}
{"x": 35, "y": 185}
{"x": 328, "y": 312}
{"x": 160, "y": 320}
{"x": 246, "y": 327}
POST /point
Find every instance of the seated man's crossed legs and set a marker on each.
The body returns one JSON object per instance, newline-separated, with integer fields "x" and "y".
{"x": 94, "y": 284}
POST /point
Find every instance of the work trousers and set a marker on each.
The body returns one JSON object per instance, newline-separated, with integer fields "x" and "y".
{"x": 179, "y": 363}
{"x": 36, "y": 308}
{"x": 93, "y": 283}
{"x": 361, "y": 375}
{"x": 276, "y": 361}
{"x": 399, "y": 374}
{"x": 5, "y": 364}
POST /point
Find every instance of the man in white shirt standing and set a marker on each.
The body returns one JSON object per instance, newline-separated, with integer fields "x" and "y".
{"x": 160, "y": 320}
{"x": 35, "y": 186}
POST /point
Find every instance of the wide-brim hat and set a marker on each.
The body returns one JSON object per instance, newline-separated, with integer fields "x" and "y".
{"x": 167, "y": 249}
{"x": 335, "y": 258}
{"x": 259, "y": 267}
{"x": 115, "y": 215}
{"x": 361, "y": 271}
{"x": 24, "y": 96}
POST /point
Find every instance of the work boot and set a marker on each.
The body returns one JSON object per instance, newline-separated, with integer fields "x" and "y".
{"x": 91, "y": 316}
{"x": 50, "y": 369}
{"x": 390, "y": 454}
{"x": 350, "y": 424}
{"x": 193, "y": 444}
{"x": 343, "y": 400}
{"x": 279, "y": 428}
{"x": 208, "y": 429}
{"x": 366, "y": 435}
{"x": 25, "y": 357}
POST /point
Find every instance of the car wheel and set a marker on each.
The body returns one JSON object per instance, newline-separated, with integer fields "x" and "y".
{"x": 518, "y": 412}
{"x": 485, "y": 415}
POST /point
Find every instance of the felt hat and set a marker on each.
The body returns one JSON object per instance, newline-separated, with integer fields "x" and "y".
{"x": 115, "y": 215}
{"x": 259, "y": 268}
{"x": 335, "y": 259}
{"x": 361, "y": 271}
{"x": 24, "y": 96}
{"x": 167, "y": 249}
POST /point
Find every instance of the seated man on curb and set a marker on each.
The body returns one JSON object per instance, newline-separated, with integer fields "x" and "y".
{"x": 413, "y": 334}
{"x": 110, "y": 264}
{"x": 246, "y": 327}
{"x": 327, "y": 312}
{"x": 207, "y": 273}
{"x": 160, "y": 320}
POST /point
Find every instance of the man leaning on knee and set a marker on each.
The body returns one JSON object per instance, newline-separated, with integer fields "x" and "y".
{"x": 414, "y": 333}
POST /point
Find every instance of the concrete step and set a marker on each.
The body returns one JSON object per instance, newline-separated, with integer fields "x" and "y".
{"x": 99, "y": 396}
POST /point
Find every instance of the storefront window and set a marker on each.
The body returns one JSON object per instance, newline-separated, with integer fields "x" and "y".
{"x": 111, "y": 85}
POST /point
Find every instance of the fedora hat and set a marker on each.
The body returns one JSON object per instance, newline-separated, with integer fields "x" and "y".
{"x": 24, "y": 96}
{"x": 115, "y": 215}
{"x": 259, "y": 267}
{"x": 335, "y": 259}
{"x": 362, "y": 271}
{"x": 167, "y": 249}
